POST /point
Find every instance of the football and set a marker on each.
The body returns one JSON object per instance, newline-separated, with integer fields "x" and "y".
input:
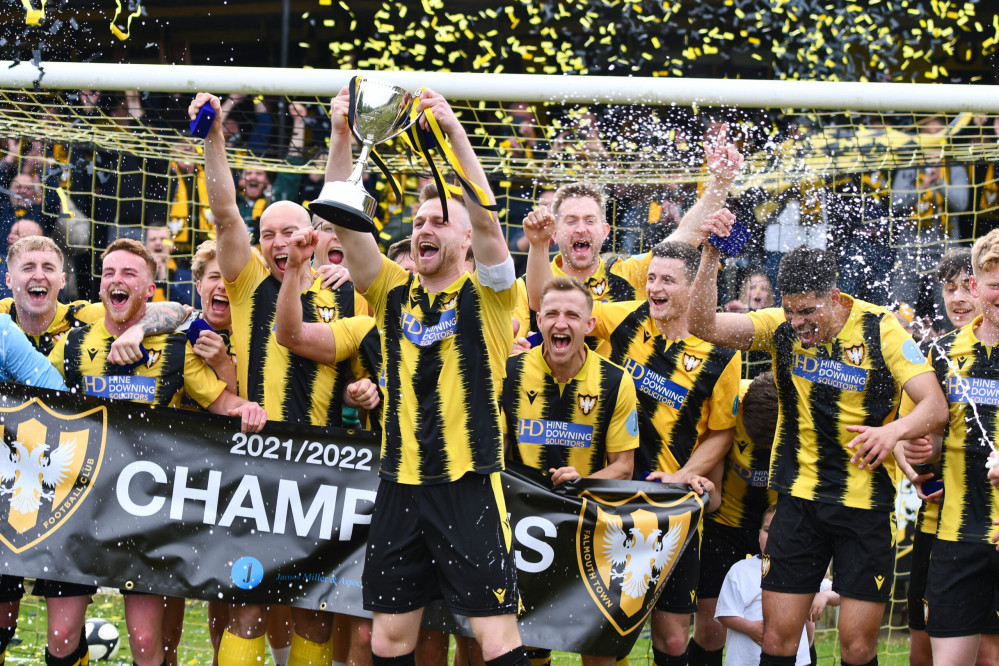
{"x": 102, "y": 638}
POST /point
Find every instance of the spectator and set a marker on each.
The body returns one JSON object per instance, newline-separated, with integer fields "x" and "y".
{"x": 187, "y": 198}
{"x": 866, "y": 255}
{"x": 756, "y": 293}
{"x": 926, "y": 203}
{"x": 515, "y": 231}
{"x": 252, "y": 198}
{"x": 21, "y": 229}
{"x": 293, "y": 186}
{"x": 655, "y": 213}
{"x": 24, "y": 200}
{"x": 795, "y": 216}
{"x": 173, "y": 281}
{"x": 258, "y": 140}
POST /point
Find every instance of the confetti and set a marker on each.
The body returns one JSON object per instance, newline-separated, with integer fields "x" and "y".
{"x": 876, "y": 40}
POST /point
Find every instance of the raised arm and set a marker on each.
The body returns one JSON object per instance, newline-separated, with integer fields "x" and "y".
{"x": 539, "y": 227}
{"x": 311, "y": 340}
{"x": 731, "y": 330}
{"x": 724, "y": 161}
{"x": 488, "y": 243}
{"x": 230, "y": 231}
{"x": 361, "y": 253}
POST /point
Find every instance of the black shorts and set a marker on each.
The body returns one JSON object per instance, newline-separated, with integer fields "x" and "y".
{"x": 922, "y": 544}
{"x": 721, "y": 547}
{"x": 805, "y": 535}
{"x": 11, "y": 588}
{"x": 450, "y": 541}
{"x": 59, "y": 589}
{"x": 963, "y": 595}
{"x": 679, "y": 593}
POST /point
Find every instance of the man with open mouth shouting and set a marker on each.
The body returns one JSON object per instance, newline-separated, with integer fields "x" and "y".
{"x": 839, "y": 365}
{"x": 35, "y": 276}
{"x": 579, "y": 214}
{"x": 168, "y": 369}
{"x": 687, "y": 394}
{"x": 439, "y": 526}
{"x": 294, "y": 389}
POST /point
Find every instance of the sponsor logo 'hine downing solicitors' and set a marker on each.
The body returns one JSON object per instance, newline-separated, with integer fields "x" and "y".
{"x": 48, "y": 464}
{"x": 627, "y": 556}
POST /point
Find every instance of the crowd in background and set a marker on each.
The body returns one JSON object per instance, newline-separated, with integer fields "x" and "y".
{"x": 888, "y": 228}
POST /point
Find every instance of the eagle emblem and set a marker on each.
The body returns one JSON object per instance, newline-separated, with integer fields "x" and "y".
{"x": 447, "y": 301}
{"x": 627, "y": 545}
{"x": 31, "y": 478}
{"x": 326, "y": 314}
{"x": 855, "y": 354}
{"x": 639, "y": 558}
{"x": 598, "y": 288}
{"x": 765, "y": 565}
{"x": 690, "y": 362}
{"x": 586, "y": 403}
{"x": 154, "y": 356}
{"x": 48, "y": 462}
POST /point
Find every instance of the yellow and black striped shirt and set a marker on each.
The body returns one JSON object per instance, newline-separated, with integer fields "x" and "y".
{"x": 358, "y": 341}
{"x": 970, "y": 378}
{"x": 685, "y": 387}
{"x": 615, "y": 281}
{"x": 67, "y": 316}
{"x": 444, "y": 356}
{"x": 289, "y": 387}
{"x": 576, "y": 424}
{"x": 172, "y": 370}
{"x": 855, "y": 380}
{"x": 744, "y": 485}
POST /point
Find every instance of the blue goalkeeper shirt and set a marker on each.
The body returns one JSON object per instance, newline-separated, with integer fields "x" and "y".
{"x": 21, "y": 362}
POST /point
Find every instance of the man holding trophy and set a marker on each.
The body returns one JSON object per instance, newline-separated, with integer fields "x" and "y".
{"x": 439, "y": 526}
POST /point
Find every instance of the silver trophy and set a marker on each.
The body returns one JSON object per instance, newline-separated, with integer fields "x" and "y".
{"x": 379, "y": 111}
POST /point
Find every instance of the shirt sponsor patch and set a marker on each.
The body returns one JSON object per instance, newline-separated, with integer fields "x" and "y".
{"x": 973, "y": 390}
{"x": 424, "y": 336}
{"x": 829, "y": 372}
{"x": 912, "y": 353}
{"x": 653, "y": 384}
{"x": 554, "y": 433}
{"x": 757, "y": 478}
{"x": 121, "y": 387}
{"x": 631, "y": 424}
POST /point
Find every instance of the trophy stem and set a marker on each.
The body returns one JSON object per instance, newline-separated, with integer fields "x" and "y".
{"x": 362, "y": 162}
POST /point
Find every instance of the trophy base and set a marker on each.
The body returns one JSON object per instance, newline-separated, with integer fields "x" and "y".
{"x": 342, "y": 215}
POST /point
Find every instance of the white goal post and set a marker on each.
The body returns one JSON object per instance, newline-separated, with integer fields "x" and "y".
{"x": 914, "y": 97}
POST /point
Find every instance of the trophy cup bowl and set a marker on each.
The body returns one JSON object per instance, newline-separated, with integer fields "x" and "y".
{"x": 380, "y": 111}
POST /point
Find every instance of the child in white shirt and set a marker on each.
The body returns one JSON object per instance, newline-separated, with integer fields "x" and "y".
{"x": 740, "y": 609}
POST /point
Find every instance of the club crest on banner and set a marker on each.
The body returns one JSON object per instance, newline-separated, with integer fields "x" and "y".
{"x": 48, "y": 464}
{"x": 627, "y": 554}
